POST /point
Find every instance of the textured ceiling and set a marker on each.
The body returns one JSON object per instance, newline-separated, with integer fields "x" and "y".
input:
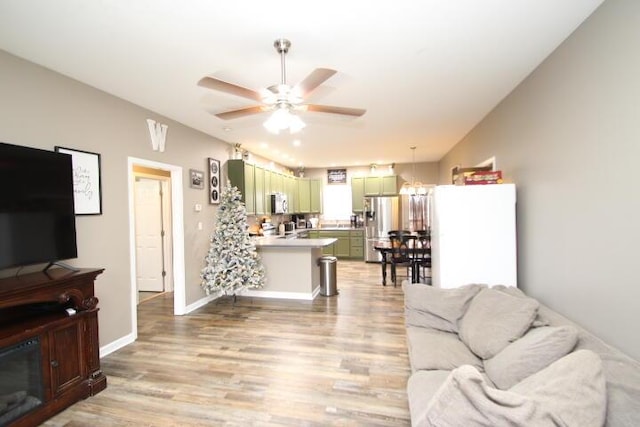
{"x": 426, "y": 71}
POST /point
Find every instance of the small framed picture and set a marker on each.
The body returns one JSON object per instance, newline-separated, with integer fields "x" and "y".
{"x": 196, "y": 179}
{"x": 336, "y": 176}
{"x": 87, "y": 186}
{"x": 214, "y": 181}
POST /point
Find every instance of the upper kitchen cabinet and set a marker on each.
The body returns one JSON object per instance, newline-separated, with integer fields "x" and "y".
{"x": 389, "y": 185}
{"x": 267, "y": 190}
{"x": 357, "y": 194}
{"x": 257, "y": 184}
{"x": 371, "y": 186}
{"x": 316, "y": 196}
{"x": 260, "y": 203}
{"x": 309, "y": 195}
{"x": 381, "y": 185}
{"x": 277, "y": 185}
{"x": 291, "y": 190}
{"x": 242, "y": 175}
{"x": 304, "y": 195}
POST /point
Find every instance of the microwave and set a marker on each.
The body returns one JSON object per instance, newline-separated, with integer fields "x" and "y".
{"x": 279, "y": 203}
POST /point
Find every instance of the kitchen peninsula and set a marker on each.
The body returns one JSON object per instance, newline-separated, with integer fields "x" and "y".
{"x": 291, "y": 267}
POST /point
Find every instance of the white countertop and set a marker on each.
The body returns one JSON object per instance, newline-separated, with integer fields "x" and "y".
{"x": 277, "y": 242}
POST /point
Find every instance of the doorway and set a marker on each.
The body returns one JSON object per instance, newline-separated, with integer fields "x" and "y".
{"x": 152, "y": 209}
{"x": 149, "y": 173}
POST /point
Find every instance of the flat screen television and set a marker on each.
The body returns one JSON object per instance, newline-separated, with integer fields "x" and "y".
{"x": 37, "y": 219}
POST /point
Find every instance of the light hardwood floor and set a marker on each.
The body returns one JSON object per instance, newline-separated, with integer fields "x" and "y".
{"x": 260, "y": 362}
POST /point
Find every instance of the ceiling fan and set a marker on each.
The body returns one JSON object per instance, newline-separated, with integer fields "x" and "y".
{"x": 281, "y": 98}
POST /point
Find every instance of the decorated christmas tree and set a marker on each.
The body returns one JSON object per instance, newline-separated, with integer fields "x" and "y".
{"x": 232, "y": 263}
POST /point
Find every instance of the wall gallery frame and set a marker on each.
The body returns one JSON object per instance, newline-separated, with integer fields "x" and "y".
{"x": 196, "y": 179}
{"x": 214, "y": 181}
{"x": 87, "y": 183}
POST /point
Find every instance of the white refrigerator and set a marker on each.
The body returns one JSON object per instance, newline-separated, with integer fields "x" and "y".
{"x": 473, "y": 235}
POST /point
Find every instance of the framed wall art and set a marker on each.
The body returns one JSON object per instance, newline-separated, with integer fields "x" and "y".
{"x": 214, "y": 181}
{"x": 196, "y": 179}
{"x": 336, "y": 176}
{"x": 87, "y": 184}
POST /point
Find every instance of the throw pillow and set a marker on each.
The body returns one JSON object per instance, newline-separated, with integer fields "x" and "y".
{"x": 511, "y": 290}
{"x": 466, "y": 399}
{"x": 432, "y": 349}
{"x": 573, "y": 388}
{"x": 494, "y": 319}
{"x": 536, "y": 350}
{"x": 429, "y": 307}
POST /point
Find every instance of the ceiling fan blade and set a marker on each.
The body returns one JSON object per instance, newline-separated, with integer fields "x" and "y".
{"x": 215, "y": 84}
{"x": 335, "y": 110}
{"x": 313, "y": 80}
{"x": 234, "y": 114}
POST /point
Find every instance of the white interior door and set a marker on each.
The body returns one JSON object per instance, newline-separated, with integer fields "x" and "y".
{"x": 149, "y": 245}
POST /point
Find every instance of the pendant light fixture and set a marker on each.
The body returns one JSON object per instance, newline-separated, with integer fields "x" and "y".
{"x": 415, "y": 187}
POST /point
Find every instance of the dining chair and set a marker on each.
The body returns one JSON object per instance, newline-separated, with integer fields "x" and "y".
{"x": 422, "y": 257}
{"x": 401, "y": 252}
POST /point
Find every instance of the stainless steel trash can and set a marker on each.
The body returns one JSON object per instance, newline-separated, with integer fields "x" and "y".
{"x": 328, "y": 276}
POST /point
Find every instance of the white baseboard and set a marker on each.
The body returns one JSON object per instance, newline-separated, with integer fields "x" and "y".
{"x": 280, "y": 295}
{"x": 117, "y": 344}
{"x": 201, "y": 302}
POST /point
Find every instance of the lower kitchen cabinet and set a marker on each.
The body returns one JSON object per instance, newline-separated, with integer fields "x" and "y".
{"x": 356, "y": 242}
{"x": 349, "y": 244}
{"x": 342, "y": 247}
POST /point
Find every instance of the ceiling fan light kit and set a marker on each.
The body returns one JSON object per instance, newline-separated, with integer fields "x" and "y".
{"x": 282, "y": 99}
{"x": 282, "y": 119}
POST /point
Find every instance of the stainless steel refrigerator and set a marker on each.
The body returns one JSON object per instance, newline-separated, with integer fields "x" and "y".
{"x": 381, "y": 215}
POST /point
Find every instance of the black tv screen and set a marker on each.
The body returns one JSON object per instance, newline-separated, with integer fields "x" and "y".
{"x": 37, "y": 220}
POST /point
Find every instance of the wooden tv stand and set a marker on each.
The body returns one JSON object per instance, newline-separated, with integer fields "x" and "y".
{"x": 35, "y": 306}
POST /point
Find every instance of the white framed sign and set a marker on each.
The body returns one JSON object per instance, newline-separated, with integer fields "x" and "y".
{"x": 87, "y": 185}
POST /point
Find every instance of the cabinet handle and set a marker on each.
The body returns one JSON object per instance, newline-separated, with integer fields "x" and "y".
{"x": 54, "y": 363}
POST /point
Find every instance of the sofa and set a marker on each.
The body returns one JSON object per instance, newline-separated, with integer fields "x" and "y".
{"x": 492, "y": 356}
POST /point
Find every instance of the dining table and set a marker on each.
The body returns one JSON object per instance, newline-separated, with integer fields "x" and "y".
{"x": 385, "y": 249}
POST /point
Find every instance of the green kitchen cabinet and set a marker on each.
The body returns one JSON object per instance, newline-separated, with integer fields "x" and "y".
{"x": 260, "y": 203}
{"x": 357, "y": 194}
{"x": 356, "y": 241}
{"x": 381, "y": 185}
{"x": 389, "y": 185}
{"x": 342, "y": 247}
{"x": 372, "y": 186}
{"x": 242, "y": 175}
{"x": 349, "y": 243}
{"x": 316, "y": 196}
{"x": 304, "y": 195}
{"x": 291, "y": 190}
{"x": 276, "y": 183}
{"x": 328, "y": 250}
{"x": 267, "y": 191}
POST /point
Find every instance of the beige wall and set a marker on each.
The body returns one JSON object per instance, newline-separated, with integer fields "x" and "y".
{"x": 43, "y": 109}
{"x": 569, "y": 137}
